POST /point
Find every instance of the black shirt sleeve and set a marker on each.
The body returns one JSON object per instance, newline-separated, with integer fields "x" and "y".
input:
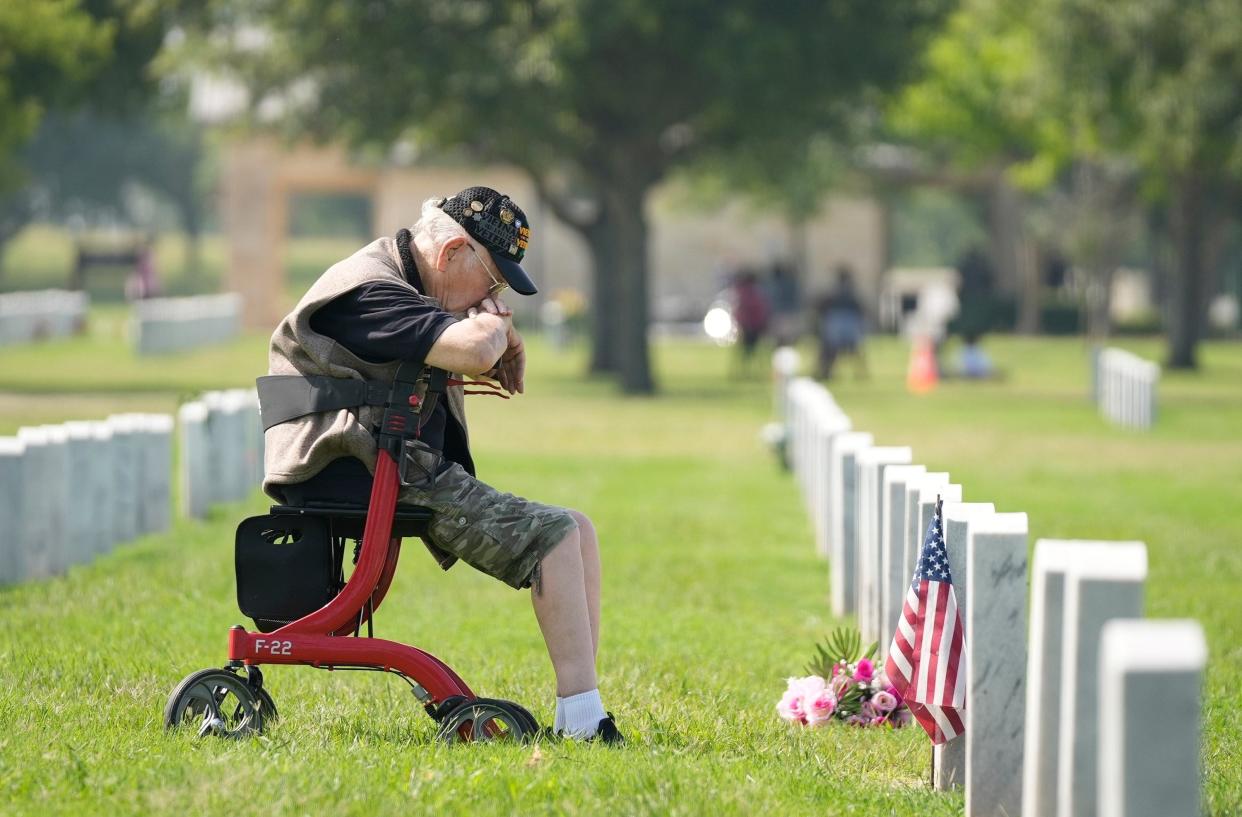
{"x": 382, "y": 321}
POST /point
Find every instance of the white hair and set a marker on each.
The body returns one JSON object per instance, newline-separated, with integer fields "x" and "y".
{"x": 436, "y": 225}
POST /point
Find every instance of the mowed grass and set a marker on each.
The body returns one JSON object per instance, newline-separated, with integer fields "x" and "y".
{"x": 713, "y": 595}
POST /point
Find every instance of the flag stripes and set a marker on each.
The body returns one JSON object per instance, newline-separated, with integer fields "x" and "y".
{"x": 925, "y": 661}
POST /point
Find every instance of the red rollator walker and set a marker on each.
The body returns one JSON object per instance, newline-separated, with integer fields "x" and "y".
{"x": 290, "y": 580}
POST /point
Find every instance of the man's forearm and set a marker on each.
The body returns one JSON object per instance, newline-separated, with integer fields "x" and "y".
{"x": 472, "y": 345}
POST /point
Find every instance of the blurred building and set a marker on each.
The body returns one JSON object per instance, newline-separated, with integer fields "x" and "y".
{"x": 691, "y": 250}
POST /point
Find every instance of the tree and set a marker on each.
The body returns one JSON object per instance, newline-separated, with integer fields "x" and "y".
{"x": 1161, "y": 82}
{"x": 83, "y": 162}
{"x": 599, "y": 100}
{"x": 47, "y": 49}
{"x": 79, "y": 106}
{"x": 976, "y": 116}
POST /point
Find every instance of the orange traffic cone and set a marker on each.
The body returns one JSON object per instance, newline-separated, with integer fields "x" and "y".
{"x": 922, "y": 376}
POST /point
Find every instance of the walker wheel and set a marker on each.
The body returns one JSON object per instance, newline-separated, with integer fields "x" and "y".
{"x": 217, "y": 702}
{"x": 267, "y": 707}
{"x": 484, "y": 719}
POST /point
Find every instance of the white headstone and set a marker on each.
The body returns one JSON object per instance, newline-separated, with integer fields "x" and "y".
{"x": 12, "y": 523}
{"x": 156, "y": 502}
{"x": 949, "y": 759}
{"x": 836, "y": 423}
{"x": 196, "y": 493}
{"x": 1101, "y": 584}
{"x": 1151, "y": 680}
{"x": 57, "y": 490}
{"x": 36, "y": 502}
{"x": 127, "y": 461}
{"x": 79, "y": 509}
{"x": 995, "y": 621}
{"x": 872, "y": 464}
{"x": 845, "y": 448}
{"x": 103, "y": 478}
{"x": 785, "y": 363}
{"x": 896, "y": 575}
{"x": 1043, "y": 669}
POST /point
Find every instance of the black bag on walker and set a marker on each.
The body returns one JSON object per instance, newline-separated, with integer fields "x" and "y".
{"x": 287, "y": 567}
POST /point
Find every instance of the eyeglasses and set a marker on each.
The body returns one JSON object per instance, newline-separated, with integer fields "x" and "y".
{"x": 497, "y": 287}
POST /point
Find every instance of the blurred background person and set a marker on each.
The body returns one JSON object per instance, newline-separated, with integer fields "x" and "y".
{"x": 840, "y": 326}
{"x": 785, "y": 295}
{"x": 751, "y": 314}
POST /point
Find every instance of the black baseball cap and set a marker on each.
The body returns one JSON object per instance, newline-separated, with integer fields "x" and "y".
{"x": 498, "y": 224}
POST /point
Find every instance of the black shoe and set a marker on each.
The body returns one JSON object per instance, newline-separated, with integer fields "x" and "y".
{"x": 608, "y": 733}
{"x": 545, "y": 734}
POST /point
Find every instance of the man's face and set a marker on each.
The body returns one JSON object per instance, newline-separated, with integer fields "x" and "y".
{"x": 471, "y": 275}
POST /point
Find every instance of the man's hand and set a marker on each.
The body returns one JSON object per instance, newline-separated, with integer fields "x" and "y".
{"x": 510, "y": 370}
{"x": 494, "y": 306}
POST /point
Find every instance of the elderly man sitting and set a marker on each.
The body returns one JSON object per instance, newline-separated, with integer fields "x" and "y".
{"x": 431, "y": 295}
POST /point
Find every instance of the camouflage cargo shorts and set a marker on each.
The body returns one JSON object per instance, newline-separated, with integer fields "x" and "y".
{"x": 502, "y": 535}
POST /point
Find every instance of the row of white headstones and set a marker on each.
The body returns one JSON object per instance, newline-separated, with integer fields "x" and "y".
{"x": 164, "y": 325}
{"x": 1092, "y": 711}
{"x": 157, "y": 325}
{"x": 41, "y": 315}
{"x": 74, "y": 491}
{"x": 1125, "y": 388}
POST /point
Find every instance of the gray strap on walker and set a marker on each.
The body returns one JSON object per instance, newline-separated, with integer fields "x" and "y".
{"x": 287, "y": 397}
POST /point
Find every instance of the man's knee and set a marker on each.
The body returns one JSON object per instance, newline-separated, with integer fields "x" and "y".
{"x": 585, "y": 526}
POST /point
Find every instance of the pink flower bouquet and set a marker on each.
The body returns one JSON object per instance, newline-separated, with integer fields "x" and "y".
{"x": 844, "y": 684}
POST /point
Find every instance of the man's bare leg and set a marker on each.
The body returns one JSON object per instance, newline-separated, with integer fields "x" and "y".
{"x": 588, "y": 543}
{"x": 560, "y": 603}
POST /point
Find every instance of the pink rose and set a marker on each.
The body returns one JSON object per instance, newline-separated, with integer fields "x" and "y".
{"x": 811, "y": 686}
{"x": 820, "y": 708}
{"x": 864, "y": 671}
{"x": 884, "y": 702}
{"x": 790, "y": 706}
{"x": 840, "y": 685}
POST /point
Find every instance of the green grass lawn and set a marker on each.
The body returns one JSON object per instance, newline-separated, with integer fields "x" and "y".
{"x": 713, "y": 595}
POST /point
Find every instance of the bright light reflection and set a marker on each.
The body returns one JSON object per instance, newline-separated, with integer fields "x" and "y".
{"x": 718, "y": 324}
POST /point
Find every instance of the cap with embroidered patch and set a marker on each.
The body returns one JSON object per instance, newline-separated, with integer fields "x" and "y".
{"x": 498, "y": 224}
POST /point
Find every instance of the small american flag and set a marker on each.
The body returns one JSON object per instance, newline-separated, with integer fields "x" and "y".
{"x": 926, "y": 662}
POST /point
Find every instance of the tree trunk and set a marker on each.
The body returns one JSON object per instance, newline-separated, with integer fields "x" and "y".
{"x": 1098, "y": 303}
{"x": 629, "y": 227}
{"x": 1011, "y": 254}
{"x": 1189, "y": 293}
{"x": 601, "y": 239}
{"x": 191, "y": 222}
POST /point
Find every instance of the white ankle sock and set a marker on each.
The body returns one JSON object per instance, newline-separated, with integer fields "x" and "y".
{"x": 558, "y": 723}
{"x": 582, "y": 714}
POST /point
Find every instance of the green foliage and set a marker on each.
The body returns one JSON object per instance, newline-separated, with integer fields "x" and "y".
{"x": 1156, "y": 79}
{"x": 47, "y": 49}
{"x": 981, "y": 101}
{"x": 842, "y": 646}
